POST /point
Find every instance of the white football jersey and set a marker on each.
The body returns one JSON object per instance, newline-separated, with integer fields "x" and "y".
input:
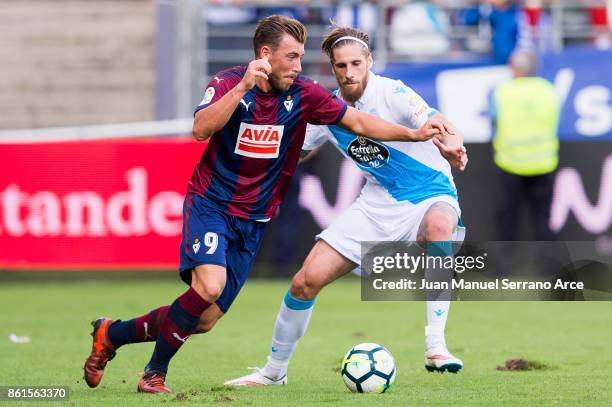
{"x": 406, "y": 172}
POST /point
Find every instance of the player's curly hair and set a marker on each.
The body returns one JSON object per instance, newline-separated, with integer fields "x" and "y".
{"x": 331, "y": 40}
{"x": 271, "y": 29}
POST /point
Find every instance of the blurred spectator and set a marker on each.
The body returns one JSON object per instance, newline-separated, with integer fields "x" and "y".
{"x": 420, "y": 29}
{"x": 297, "y": 9}
{"x": 536, "y": 28}
{"x": 469, "y": 13}
{"x": 229, "y": 12}
{"x": 599, "y": 16}
{"x": 525, "y": 114}
{"x": 503, "y": 17}
{"x": 362, "y": 15}
{"x": 232, "y": 12}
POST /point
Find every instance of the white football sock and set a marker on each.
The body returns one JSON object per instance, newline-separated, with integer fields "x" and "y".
{"x": 291, "y": 323}
{"x": 437, "y": 313}
{"x": 438, "y": 303}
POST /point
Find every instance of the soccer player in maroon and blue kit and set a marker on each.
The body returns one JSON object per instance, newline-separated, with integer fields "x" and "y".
{"x": 255, "y": 118}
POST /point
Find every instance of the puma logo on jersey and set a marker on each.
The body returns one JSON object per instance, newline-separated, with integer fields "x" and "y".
{"x": 259, "y": 141}
{"x": 218, "y": 79}
{"x": 179, "y": 338}
{"x": 245, "y": 104}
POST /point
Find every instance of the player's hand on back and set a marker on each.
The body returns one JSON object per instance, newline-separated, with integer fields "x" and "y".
{"x": 456, "y": 156}
{"x": 258, "y": 68}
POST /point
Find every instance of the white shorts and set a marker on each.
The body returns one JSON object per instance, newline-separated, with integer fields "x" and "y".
{"x": 400, "y": 221}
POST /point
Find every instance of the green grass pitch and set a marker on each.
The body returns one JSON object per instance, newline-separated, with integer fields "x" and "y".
{"x": 572, "y": 339}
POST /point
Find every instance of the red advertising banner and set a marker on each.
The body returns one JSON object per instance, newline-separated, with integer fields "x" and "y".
{"x": 94, "y": 204}
{"x": 117, "y": 204}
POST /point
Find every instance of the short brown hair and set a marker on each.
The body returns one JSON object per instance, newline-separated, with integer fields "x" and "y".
{"x": 329, "y": 42}
{"x": 270, "y": 31}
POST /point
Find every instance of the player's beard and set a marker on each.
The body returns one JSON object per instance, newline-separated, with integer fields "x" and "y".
{"x": 278, "y": 85}
{"x": 352, "y": 93}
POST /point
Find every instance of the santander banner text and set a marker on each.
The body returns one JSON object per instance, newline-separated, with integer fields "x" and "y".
{"x": 97, "y": 204}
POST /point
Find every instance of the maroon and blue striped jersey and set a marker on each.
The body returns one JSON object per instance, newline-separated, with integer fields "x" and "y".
{"x": 248, "y": 164}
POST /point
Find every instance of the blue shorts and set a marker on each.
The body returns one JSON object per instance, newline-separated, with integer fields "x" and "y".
{"x": 211, "y": 236}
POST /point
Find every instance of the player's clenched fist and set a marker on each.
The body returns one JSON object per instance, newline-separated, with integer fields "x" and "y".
{"x": 258, "y": 68}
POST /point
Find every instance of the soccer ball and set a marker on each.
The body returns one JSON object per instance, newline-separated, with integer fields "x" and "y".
{"x": 368, "y": 368}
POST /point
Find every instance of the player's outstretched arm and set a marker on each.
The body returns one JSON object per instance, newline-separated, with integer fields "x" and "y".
{"x": 375, "y": 128}
{"x": 210, "y": 120}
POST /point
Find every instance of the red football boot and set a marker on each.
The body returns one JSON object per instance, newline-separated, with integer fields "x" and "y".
{"x": 101, "y": 352}
{"x": 153, "y": 382}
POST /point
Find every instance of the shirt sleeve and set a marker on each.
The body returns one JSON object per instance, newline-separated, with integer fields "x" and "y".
{"x": 218, "y": 86}
{"x": 316, "y": 136}
{"x": 407, "y": 106}
{"x": 324, "y": 106}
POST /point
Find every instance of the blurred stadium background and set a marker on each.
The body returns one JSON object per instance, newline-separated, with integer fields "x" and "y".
{"x": 97, "y": 99}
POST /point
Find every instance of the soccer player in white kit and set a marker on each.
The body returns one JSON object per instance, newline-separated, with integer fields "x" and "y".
{"x": 409, "y": 195}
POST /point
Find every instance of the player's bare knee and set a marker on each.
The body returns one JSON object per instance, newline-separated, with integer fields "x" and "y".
{"x": 437, "y": 225}
{"x": 438, "y": 228}
{"x": 298, "y": 285}
{"x": 209, "y": 290}
{"x": 310, "y": 290}
{"x": 208, "y": 281}
{"x": 304, "y": 286}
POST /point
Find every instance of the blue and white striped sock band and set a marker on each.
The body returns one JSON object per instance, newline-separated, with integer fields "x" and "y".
{"x": 297, "y": 304}
{"x": 440, "y": 249}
